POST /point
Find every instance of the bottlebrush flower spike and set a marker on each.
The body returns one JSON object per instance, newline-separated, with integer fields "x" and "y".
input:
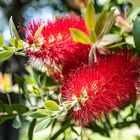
{"x": 56, "y": 53}
{"x": 102, "y": 87}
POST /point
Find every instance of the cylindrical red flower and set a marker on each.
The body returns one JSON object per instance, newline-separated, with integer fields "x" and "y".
{"x": 55, "y": 51}
{"x": 101, "y": 87}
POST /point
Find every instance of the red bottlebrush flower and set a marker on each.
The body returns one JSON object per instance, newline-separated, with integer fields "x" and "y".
{"x": 57, "y": 53}
{"x": 30, "y": 30}
{"x": 101, "y": 87}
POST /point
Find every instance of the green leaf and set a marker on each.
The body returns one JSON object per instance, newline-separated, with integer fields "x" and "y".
{"x": 44, "y": 112}
{"x": 43, "y": 124}
{"x": 16, "y": 43}
{"x": 19, "y": 108}
{"x": 64, "y": 126}
{"x": 45, "y": 82}
{"x": 92, "y": 36}
{"x": 79, "y": 36}
{"x": 19, "y": 80}
{"x": 4, "y": 55}
{"x": 8, "y": 48}
{"x": 37, "y": 114}
{"x": 35, "y": 91}
{"x": 101, "y": 21}
{"x": 136, "y": 33}
{"x": 1, "y": 40}
{"x": 110, "y": 39}
{"x": 68, "y": 106}
{"x": 73, "y": 130}
{"x": 116, "y": 45}
{"x": 38, "y": 31}
{"x": 51, "y": 105}
{"x": 13, "y": 29}
{"x": 136, "y": 2}
{"x": 110, "y": 19}
{"x": 90, "y": 16}
{"x": 6, "y": 117}
{"x": 20, "y": 53}
{"x": 31, "y": 129}
{"x": 11, "y": 111}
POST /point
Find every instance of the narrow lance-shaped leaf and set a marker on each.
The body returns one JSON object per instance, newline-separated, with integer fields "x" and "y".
{"x": 90, "y": 16}
{"x": 109, "y": 39}
{"x": 136, "y": 33}
{"x": 4, "y": 55}
{"x": 31, "y": 129}
{"x": 64, "y": 126}
{"x": 108, "y": 24}
{"x": 79, "y": 36}
{"x": 110, "y": 21}
{"x": 116, "y": 45}
{"x": 38, "y": 31}
{"x": 1, "y": 40}
{"x": 100, "y": 24}
{"x": 36, "y": 115}
{"x": 13, "y": 29}
{"x": 51, "y": 105}
{"x": 44, "y": 112}
{"x": 8, "y": 48}
{"x": 92, "y": 36}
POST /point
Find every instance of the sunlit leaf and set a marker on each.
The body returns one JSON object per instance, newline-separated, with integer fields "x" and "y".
{"x": 35, "y": 91}
{"x": 79, "y": 36}
{"x": 4, "y": 55}
{"x": 51, "y": 105}
{"x": 13, "y": 29}
{"x": 90, "y": 16}
{"x": 37, "y": 114}
{"x": 44, "y": 112}
{"x": 136, "y": 33}
{"x": 92, "y": 36}
{"x": 1, "y": 40}
{"x": 68, "y": 106}
{"x": 8, "y": 48}
{"x": 16, "y": 43}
